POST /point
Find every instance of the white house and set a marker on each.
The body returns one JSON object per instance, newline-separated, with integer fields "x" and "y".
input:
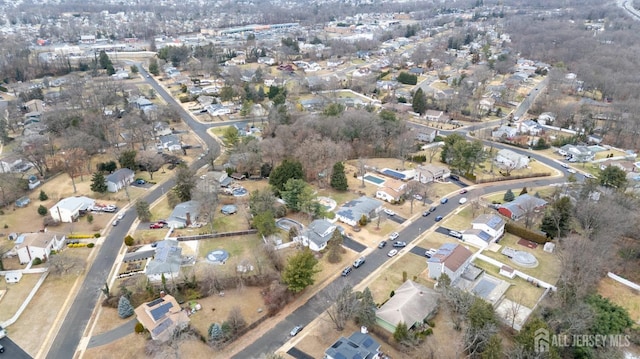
{"x": 218, "y": 110}
{"x": 504, "y": 132}
{"x": 37, "y": 245}
{"x": 427, "y": 135}
{"x": 118, "y": 179}
{"x": 433, "y": 115}
{"x": 509, "y": 159}
{"x": 317, "y": 234}
{"x": 351, "y": 212}
{"x": 68, "y": 209}
{"x": 451, "y": 259}
{"x": 169, "y": 142}
{"x": 431, "y": 173}
{"x": 266, "y": 60}
{"x": 391, "y": 191}
{"x": 491, "y": 224}
{"x": 546, "y": 118}
{"x": 531, "y": 127}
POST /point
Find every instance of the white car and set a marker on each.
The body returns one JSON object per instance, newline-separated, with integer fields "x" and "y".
{"x": 564, "y": 165}
{"x": 571, "y": 170}
{"x": 389, "y": 212}
{"x": 589, "y": 175}
{"x": 462, "y": 200}
{"x": 393, "y": 236}
{"x": 430, "y": 252}
{"x": 418, "y": 197}
{"x": 392, "y": 252}
{"x": 120, "y": 216}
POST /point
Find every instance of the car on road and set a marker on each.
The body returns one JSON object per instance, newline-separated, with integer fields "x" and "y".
{"x": 360, "y": 261}
{"x": 115, "y": 223}
{"x": 382, "y": 244}
{"x": 564, "y": 165}
{"x": 444, "y": 200}
{"x": 120, "y": 216}
{"x": 439, "y": 218}
{"x": 571, "y": 170}
{"x": 399, "y": 244}
{"x": 394, "y": 236}
{"x": 346, "y": 271}
{"x": 389, "y": 212}
{"x": 589, "y": 175}
{"x": 1, "y": 349}
{"x": 455, "y": 234}
{"x": 433, "y": 209}
{"x": 148, "y": 75}
{"x": 297, "y": 329}
{"x": 392, "y": 253}
{"x": 425, "y": 213}
{"x": 463, "y": 191}
{"x": 462, "y": 200}
{"x": 156, "y": 225}
{"x": 430, "y": 252}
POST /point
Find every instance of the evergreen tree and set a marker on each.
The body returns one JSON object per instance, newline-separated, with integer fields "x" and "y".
{"x": 125, "y": 309}
{"x": 104, "y": 60}
{"x": 185, "y": 183}
{"x": 419, "y": 102}
{"x": 287, "y": 170}
{"x": 524, "y": 190}
{"x": 98, "y": 183}
{"x": 300, "y": 270}
{"x": 335, "y": 247}
{"x": 143, "y": 212}
{"x": 366, "y": 313}
{"x": 127, "y": 159}
{"x": 401, "y": 333}
{"x": 338, "y": 177}
{"x": 509, "y": 196}
{"x": 43, "y": 196}
{"x": 215, "y": 332}
{"x": 154, "y": 68}
{"x": 42, "y": 210}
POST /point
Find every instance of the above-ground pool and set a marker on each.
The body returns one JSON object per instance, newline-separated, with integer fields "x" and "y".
{"x": 218, "y": 256}
{"x": 239, "y": 192}
{"x": 596, "y": 148}
{"x": 394, "y": 174}
{"x": 287, "y": 223}
{"x": 524, "y": 259}
{"x": 328, "y": 203}
{"x": 374, "y": 179}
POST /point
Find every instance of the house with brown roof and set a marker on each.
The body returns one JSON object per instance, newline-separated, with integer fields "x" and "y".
{"x": 392, "y": 190}
{"x": 411, "y": 304}
{"x": 451, "y": 259}
{"x": 162, "y": 317}
{"x": 37, "y": 245}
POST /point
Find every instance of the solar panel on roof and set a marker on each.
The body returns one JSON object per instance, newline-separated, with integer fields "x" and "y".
{"x": 162, "y": 326}
{"x": 493, "y": 221}
{"x": 368, "y": 342}
{"x": 155, "y": 302}
{"x": 160, "y": 312}
{"x": 339, "y": 356}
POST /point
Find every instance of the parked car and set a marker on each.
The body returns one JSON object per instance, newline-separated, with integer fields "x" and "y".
{"x": 392, "y": 253}
{"x": 297, "y": 329}
{"x": 564, "y": 165}
{"x": 389, "y": 212}
{"x": 589, "y": 175}
{"x": 382, "y": 244}
{"x": 418, "y": 197}
{"x": 393, "y": 236}
{"x": 571, "y": 170}
{"x": 346, "y": 271}
{"x": 462, "y": 200}
{"x": 156, "y": 225}
{"x": 444, "y": 200}
{"x": 399, "y": 244}
{"x": 115, "y": 223}
{"x": 1, "y": 349}
{"x": 463, "y": 191}
{"x": 120, "y": 216}
{"x": 140, "y": 181}
{"x": 425, "y": 213}
{"x": 430, "y": 252}
{"x": 455, "y": 234}
{"x": 360, "y": 261}
{"x": 439, "y": 218}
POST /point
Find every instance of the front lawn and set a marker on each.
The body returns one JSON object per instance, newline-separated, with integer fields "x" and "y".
{"x": 391, "y": 278}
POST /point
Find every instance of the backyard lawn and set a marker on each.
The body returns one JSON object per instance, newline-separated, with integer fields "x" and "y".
{"x": 521, "y": 291}
{"x": 391, "y": 278}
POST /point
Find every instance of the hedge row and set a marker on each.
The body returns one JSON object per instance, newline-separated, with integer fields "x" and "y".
{"x": 83, "y": 236}
{"x": 80, "y": 245}
{"x": 526, "y": 233}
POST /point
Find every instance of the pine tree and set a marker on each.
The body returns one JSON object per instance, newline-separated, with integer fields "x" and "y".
{"x": 366, "y": 314}
{"x": 419, "y": 103}
{"x": 335, "y": 247}
{"x": 98, "y": 183}
{"x": 338, "y": 177}
{"x": 215, "y": 332}
{"x": 509, "y": 196}
{"x": 401, "y": 333}
{"x": 125, "y": 309}
{"x": 524, "y": 190}
{"x": 300, "y": 270}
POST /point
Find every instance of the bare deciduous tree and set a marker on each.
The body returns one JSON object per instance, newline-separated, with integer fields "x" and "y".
{"x": 344, "y": 308}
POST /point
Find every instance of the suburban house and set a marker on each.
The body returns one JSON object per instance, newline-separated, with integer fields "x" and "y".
{"x": 118, "y": 179}
{"x": 161, "y": 129}
{"x": 213, "y": 179}
{"x": 358, "y": 345}
{"x": 68, "y": 209}
{"x": 218, "y": 110}
{"x": 579, "y": 153}
{"x": 433, "y": 115}
{"x": 392, "y": 190}
{"x": 162, "y": 317}
{"x": 166, "y": 261}
{"x": 491, "y": 224}
{"x": 351, "y": 212}
{"x": 624, "y": 165}
{"x": 431, "y": 173}
{"x": 427, "y": 135}
{"x": 37, "y": 245}
{"x": 531, "y": 127}
{"x": 503, "y": 131}
{"x": 509, "y": 159}
{"x": 451, "y": 259}
{"x": 487, "y": 104}
{"x": 546, "y": 118}
{"x": 184, "y": 214}
{"x": 266, "y": 60}
{"x": 13, "y": 164}
{"x": 143, "y": 104}
{"x": 411, "y": 304}
{"x": 317, "y": 234}
{"x": 520, "y": 206}
{"x": 169, "y": 142}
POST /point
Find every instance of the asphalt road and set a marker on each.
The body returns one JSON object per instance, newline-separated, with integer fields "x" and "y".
{"x": 12, "y": 350}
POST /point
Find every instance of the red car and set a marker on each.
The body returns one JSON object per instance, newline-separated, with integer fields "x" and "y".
{"x": 156, "y": 225}
{"x": 463, "y": 191}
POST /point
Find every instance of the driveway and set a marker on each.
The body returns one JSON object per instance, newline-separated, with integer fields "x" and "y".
{"x": 12, "y": 350}
{"x": 353, "y": 245}
{"x": 396, "y": 218}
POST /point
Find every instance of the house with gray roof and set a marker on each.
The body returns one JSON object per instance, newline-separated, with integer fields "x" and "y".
{"x": 352, "y": 211}
{"x": 317, "y": 234}
{"x": 166, "y": 261}
{"x": 504, "y": 131}
{"x": 579, "y": 153}
{"x": 68, "y": 209}
{"x": 184, "y": 214}
{"x": 118, "y": 179}
{"x": 511, "y": 160}
{"x": 451, "y": 259}
{"x": 492, "y": 224}
{"x": 358, "y": 345}
{"x": 411, "y": 304}
{"x": 169, "y": 142}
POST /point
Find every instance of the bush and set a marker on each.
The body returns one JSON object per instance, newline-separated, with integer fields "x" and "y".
{"x": 90, "y": 245}
{"x": 43, "y": 196}
{"x": 139, "y": 328}
{"x": 392, "y": 293}
{"x": 525, "y": 233}
{"x": 42, "y": 210}
{"x": 90, "y": 218}
{"x": 37, "y": 261}
{"x": 96, "y": 235}
{"x": 81, "y": 236}
{"x": 128, "y": 240}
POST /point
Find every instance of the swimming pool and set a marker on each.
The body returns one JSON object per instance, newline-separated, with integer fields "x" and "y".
{"x": 394, "y": 174}
{"x": 373, "y": 179}
{"x": 596, "y": 148}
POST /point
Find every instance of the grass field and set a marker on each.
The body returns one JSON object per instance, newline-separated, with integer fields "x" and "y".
{"x": 521, "y": 291}
{"x": 391, "y": 278}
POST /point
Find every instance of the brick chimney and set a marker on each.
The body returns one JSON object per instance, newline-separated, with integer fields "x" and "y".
{"x": 188, "y": 219}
